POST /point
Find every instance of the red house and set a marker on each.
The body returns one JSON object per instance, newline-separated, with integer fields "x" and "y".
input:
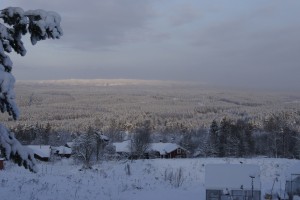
{"x": 1, "y": 163}
{"x": 155, "y": 150}
{"x": 168, "y": 150}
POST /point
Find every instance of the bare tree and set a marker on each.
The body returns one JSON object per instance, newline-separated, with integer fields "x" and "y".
{"x": 115, "y": 131}
{"x": 84, "y": 147}
{"x": 140, "y": 142}
{"x": 101, "y": 142}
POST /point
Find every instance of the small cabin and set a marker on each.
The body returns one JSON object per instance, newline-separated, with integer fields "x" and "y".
{"x": 123, "y": 148}
{"x": 167, "y": 150}
{"x": 41, "y": 152}
{"x": 62, "y": 151}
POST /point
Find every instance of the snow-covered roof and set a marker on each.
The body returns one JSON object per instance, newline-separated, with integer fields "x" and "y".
{"x": 104, "y": 137}
{"x": 62, "y": 150}
{"x": 42, "y": 151}
{"x": 164, "y": 148}
{"x": 123, "y": 146}
{"x": 70, "y": 144}
{"x": 232, "y": 176}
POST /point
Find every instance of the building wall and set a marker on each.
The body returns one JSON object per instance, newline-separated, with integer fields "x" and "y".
{"x": 1, "y": 164}
{"x": 41, "y": 158}
{"x": 213, "y": 194}
{"x": 177, "y": 154}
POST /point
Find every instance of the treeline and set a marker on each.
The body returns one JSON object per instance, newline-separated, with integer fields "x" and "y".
{"x": 276, "y": 136}
{"x": 41, "y": 134}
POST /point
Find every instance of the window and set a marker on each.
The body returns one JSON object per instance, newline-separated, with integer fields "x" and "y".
{"x": 178, "y": 151}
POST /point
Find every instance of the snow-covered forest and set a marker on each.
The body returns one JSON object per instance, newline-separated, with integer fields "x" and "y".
{"x": 74, "y": 106}
{"x": 206, "y": 121}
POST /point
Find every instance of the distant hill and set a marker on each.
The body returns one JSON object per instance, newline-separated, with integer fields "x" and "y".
{"x": 103, "y": 82}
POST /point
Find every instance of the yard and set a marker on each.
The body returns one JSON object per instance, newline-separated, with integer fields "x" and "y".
{"x": 122, "y": 180}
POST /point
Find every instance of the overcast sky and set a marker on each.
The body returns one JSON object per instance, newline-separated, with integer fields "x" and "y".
{"x": 252, "y": 44}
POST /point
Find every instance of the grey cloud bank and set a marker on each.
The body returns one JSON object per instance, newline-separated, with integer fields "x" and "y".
{"x": 246, "y": 44}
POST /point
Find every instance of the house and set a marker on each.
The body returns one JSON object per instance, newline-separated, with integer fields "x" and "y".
{"x": 69, "y": 144}
{"x": 41, "y": 152}
{"x": 1, "y": 163}
{"x": 123, "y": 148}
{"x": 62, "y": 151}
{"x": 232, "y": 181}
{"x": 156, "y": 150}
{"x": 167, "y": 150}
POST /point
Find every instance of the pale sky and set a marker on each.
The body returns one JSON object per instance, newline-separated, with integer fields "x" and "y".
{"x": 253, "y": 44}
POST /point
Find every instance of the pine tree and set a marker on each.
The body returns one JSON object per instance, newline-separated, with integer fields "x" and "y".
{"x": 40, "y": 25}
{"x": 214, "y": 137}
{"x": 249, "y": 140}
{"x": 225, "y": 130}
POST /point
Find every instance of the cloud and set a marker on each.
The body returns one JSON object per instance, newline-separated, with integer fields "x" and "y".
{"x": 184, "y": 14}
{"x": 251, "y": 43}
{"x": 106, "y": 23}
{"x": 97, "y": 24}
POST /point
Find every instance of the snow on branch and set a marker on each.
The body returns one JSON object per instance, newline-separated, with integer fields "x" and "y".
{"x": 13, "y": 150}
{"x": 40, "y": 25}
{"x": 15, "y": 23}
{"x": 43, "y": 25}
{"x": 7, "y": 94}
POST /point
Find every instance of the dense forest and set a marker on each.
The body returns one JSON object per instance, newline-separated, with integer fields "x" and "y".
{"x": 208, "y": 122}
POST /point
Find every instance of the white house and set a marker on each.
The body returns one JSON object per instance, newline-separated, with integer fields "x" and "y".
{"x": 232, "y": 181}
{"x": 123, "y": 147}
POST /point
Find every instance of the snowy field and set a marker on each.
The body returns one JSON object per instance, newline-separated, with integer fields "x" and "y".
{"x": 125, "y": 180}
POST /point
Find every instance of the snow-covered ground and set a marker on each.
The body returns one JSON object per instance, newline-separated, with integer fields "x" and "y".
{"x": 122, "y": 180}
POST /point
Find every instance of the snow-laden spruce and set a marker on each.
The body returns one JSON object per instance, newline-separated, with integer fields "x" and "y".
{"x": 15, "y": 151}
{"x": 40, "y": 25}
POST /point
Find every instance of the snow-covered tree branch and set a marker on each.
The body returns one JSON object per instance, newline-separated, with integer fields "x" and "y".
{"x": 15, "y": 23}
{"x": 12, "y": 149}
